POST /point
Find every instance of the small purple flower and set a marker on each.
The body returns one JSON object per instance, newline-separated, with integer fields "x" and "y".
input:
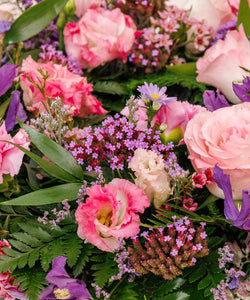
{"x": 4, "y": 26}
{"x": 7, "y": 74}
{"x": 153, "y": 93}
{"x": 61, "y": 285}
{"x": 240, "y": 218}
{"x": 15, "y": 111}
{"x": 213, "y": 102}
{"x": 242, "y": 91}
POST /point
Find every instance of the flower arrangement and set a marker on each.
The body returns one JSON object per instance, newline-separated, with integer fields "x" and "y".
{"x": 124, "y": 150}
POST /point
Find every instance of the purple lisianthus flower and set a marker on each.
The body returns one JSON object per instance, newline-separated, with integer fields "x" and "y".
{"x": 15, "y": 111}
{"x": 242, "y": 91}
{"x": 61, "y": 285}
{"x": 7, "y": 74}
{"x": 154, "y": 93}
{"x": 240, "y": 219}
{"x": 213, "y": 102}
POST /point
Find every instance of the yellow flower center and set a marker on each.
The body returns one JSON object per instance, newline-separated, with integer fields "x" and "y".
{"x": 104, "y": 216}
{"x": 61, "y": 293}
{"x": 154, "y": 96}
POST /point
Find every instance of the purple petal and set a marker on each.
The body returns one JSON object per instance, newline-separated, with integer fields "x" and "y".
{"x": 15, "y": 111}
{"x": 230, "y": 210}
{"x": 213, "y": 103}
{"x": 234, "y": 283}
{"x": 243, "y": 220}
{"x": 47, "y": 293}
{"x": 15, "y": 293}
{"x": 58, "y": 275}
{"x": 242, "y": 91}
{"x": 7, "y": 74}
{"x": 78, "y": 290}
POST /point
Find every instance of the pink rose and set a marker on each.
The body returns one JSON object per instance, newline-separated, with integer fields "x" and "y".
{"x": 10, "y": 156}
{"x": 222, "y": 63}
{"x": 73, "y": 89}
{"x": 110, "y": 213}
{"x": 100, "y": 35}
{"x": 176, "y": 116}
{"x": 151, "y": 176}
{"x": 222, "y": 137}
{"x": 234, "y": 4}
{"x": 213, "y": 12}
{"x": 83, "y": 5}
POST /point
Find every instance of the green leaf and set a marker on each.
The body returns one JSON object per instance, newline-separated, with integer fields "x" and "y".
{"x": 169, "y": 286}
{"x": 26, "y": 238}
{"x": 104, "y": 270}
{"x": 187, "y": 69}
{"x": 47, "y": 166}
{"x": 72, "y": 246}
{"x": 197, "y": 274}
{"x": 33, "y": 20}
{"x": 204, "y": 282}
{"x": 243, "y": 16}
{"x": 53, "y": 151}
{"x": 36, "y": 231}
{"x": 33, "y": 257}
{"x": 3, "y": 108}
{"x": 109, "y": 87}
{"x": 177, "y": 296}
{"x": 84, "y": 257}
{"x": 55, "y": 194}
{"x": 19, "y": 245}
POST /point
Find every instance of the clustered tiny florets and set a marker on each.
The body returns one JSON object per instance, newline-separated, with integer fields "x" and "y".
{"x": 167, "y": 251}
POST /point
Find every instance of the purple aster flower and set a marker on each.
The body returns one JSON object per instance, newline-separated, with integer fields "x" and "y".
{"x": 242, "y": 91}
{"x": 15, "y": 111}
{"x": 7, "y": 74}
{"x": 239, "y": 218}
{"x": 153, "y": 93}
{"x": 213, "y": 102}
{"x": 61, "y": 285}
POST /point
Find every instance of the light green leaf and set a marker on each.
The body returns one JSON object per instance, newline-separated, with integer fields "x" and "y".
{"x": 177, "y": 296}
{"x": 109, "y": 87}
{"x": 54, "y": 151}
{"x": 47, "y": 166}
{"x": 50, "y": 195}
{"x": 33, "y": 20}
{"x": 187, "y": 68}
{"x": 243, "y": 16}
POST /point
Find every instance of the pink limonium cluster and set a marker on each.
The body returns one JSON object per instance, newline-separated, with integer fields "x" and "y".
{"x": 167, "y": 251}
{"x": 57, "y": 81}
{"x": 110, "y": 213}
{"x": 154, "y": 45}
{"x": 114, "y": 143}
{"x": 236, "y": 285}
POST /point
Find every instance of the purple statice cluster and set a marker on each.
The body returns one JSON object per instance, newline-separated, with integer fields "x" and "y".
{"x": 123, "y": 264}
{"x": 51, "y": 54}
{"x": 236, "y": 285}
{"x": 223, "y": 29}
{"x": 156, "y": 44}
{"x": 55, "y": 122}
{"x": 113, "y": 144}
{"x": 167, "y": 251}
{"x": 99, "y": 292}
{"x": 60, "y": 215}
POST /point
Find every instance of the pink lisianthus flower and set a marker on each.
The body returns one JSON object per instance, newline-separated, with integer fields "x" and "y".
{"x": 212, "y": 139}
{"x": 73, "y": 89}
{"x": 110, "y": 212}
{"x": 230, "y": 54}
{"x": 176, "y": 116}
{"x": 10, "y": 156}
{"x": 100, "y": 36}
{"x": 151, "y": 176}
